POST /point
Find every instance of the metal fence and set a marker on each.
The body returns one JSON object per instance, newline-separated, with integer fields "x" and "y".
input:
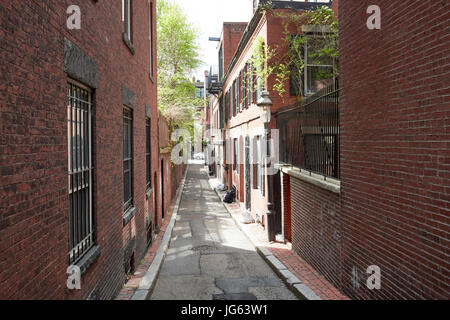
{"x": 309, "y": 132}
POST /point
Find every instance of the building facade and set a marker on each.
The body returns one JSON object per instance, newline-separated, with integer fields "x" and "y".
{"x": 234, "y": 110}
{"x": 79, "y": 161}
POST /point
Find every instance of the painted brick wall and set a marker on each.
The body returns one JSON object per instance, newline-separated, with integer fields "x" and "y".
{"x": 395, "y": 142}
{"x": 33, "y": 144}
{"x": 316, "y": 226}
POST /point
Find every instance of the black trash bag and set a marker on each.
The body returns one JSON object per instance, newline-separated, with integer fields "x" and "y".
{"x": 230, "y": 196}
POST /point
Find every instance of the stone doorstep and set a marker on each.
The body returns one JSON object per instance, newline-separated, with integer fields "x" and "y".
{"x": 300, "y": 289}
{"x": 140, "y": 286}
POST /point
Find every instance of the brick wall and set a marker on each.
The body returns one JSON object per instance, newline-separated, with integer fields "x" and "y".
{"x": 316, "y": 225}
{"x": 335, "y": 7}
{"x": 33, "y": 145}
{"x": 395, "y": 144}
{"x": 232, "y": 34}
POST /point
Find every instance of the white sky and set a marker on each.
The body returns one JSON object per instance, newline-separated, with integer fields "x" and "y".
{"x": 208, "y": 16}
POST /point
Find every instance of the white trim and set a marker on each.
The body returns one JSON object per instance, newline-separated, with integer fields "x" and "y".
{"x": 318, "y": 180}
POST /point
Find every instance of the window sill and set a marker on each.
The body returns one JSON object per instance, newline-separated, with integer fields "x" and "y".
{"x": 128, "y": 43}
{"x": 318, "y": 180}
{"x": 88, "y": 259}
{"x": 129, "y": 215}
{"x": 148, "y": 193}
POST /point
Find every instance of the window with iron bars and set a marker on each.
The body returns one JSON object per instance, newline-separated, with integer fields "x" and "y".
{"x": 148, "y": 154}
{"x": 128, "y": 159}
{"x": 80, "y": 164}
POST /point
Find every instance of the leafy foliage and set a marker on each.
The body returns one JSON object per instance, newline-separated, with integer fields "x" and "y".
{"x": 178, "y": 57}
{"x": 288, "y": 60}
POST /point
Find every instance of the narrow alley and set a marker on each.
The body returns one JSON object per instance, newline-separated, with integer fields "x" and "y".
{"x": 209, "y": 257}
{"x": 125, "y": 124}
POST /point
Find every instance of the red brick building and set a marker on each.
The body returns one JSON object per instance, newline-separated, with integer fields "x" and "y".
{"x": 234, "y": 108}
{"x": 231, "y": 35}
{"x": 79, "y": 157}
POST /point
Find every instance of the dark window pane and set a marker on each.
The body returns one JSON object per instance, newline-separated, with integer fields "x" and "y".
{"x": 148, "y": 154}
{"x": 318, "y": 78}
{"x": 128, "y": 158}
{"x": 317, "y": 53}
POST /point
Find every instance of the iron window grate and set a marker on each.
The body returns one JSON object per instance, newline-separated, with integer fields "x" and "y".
{"x": 128, "y": 158}
{"x": 148, "y": 153}
{"x": 79, "y": 129}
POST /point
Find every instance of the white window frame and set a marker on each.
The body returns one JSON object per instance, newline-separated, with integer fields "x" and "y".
{"x": 308, "y": 66}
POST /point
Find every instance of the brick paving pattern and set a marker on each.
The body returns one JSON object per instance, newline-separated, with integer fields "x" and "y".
{"x": 293, "y": 262}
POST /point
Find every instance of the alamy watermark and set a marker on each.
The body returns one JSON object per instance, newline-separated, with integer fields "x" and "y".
{"x": 220, "y": 148}
{"x": 74, "y": 280}
{"x": 373, "y": 281}
{"x": 374, "y": 21}
{"x": 74, "y": 17}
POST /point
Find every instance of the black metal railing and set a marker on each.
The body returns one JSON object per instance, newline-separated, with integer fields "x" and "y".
{"x": 309, "y": 132}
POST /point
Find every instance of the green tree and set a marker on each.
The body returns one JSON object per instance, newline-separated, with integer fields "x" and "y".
{"x": 178, "y": 57}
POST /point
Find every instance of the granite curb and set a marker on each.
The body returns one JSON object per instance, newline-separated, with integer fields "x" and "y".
{"x": 301, "y": 290}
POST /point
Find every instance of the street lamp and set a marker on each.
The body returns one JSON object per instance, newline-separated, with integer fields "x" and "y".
{"x": 265, "y": 103}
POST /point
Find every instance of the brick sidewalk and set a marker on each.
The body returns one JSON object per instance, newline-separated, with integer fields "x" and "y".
{"x": 134, "y": 280}
{"x": 293, "y": 262}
